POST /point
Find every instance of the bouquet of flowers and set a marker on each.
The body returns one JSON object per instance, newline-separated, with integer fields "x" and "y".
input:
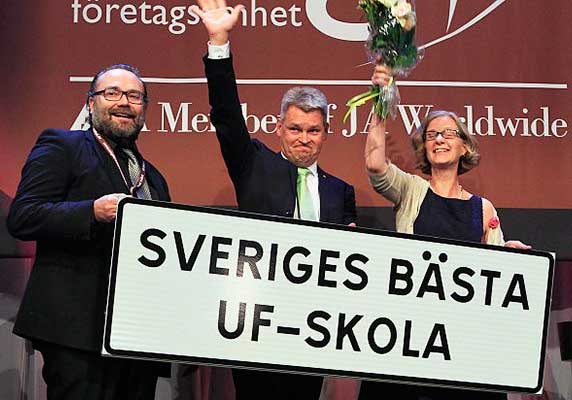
{"x": 391, "y": 42}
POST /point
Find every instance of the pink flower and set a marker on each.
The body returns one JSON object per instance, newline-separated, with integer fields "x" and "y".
{"x": 494, "y": 222}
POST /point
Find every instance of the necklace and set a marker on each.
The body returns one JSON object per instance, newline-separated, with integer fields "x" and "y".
{"x": 459, "y": 187}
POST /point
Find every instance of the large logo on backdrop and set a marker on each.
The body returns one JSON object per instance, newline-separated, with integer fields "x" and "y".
{"x": 176, "y": 18}
{"x": 527, "y": 121}
{"x": 317, "y": 11}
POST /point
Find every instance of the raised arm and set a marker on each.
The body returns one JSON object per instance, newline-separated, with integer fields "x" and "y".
{"x": 226, "y": 113}
{"x": 375, "y": 161}
{"x": 374, "y": 153}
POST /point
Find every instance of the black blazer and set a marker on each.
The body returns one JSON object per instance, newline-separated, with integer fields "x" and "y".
{"x": 264, "y": 181}
{"x": 65, "y": 299}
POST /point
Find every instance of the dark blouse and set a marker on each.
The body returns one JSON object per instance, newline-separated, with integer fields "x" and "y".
{"x": 450, "y": 218}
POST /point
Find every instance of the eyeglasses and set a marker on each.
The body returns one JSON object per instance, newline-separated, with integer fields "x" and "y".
{"x": 115, "y": 94}
{"x": 445, "y": 134}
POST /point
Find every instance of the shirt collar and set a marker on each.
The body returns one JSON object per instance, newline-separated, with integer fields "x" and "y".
{"x": 314, "y": 168}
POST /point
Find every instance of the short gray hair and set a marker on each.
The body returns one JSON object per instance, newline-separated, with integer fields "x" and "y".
{"x": 305, "y": 98}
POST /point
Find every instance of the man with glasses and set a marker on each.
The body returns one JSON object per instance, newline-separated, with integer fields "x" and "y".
{"x": 67, "y": 202}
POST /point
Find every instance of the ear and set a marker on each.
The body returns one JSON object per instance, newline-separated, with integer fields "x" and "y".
{"x": 279, "y": 128}
{"x": 90, "y": 105}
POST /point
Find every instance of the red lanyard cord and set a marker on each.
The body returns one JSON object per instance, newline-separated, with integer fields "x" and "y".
{"x": 109, "y": 151}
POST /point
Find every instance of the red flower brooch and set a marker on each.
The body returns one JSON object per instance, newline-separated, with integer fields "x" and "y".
{"x": 494, "y": 222}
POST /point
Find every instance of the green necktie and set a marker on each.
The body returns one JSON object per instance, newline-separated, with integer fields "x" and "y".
{"x": 305, "y": 203}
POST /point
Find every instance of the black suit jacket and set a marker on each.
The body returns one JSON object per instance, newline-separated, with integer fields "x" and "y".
{"x": 264, "y": 181}
{"x": 65, "y": 299}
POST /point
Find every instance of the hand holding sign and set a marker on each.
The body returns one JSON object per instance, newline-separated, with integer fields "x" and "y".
{"x": 105, "y": 208}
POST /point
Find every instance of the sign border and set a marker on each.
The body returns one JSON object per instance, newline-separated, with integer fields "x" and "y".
{"x": 308, "y": 370}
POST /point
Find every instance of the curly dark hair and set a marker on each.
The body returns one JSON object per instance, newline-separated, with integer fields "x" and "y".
{"x": 467, "y": 162}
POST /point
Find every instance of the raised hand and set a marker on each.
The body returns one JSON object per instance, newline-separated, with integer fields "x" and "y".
{"x": 381, "y": 75}
{"x": 218, "y": 18}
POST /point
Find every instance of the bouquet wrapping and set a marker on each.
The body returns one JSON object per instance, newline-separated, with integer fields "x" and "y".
{"x": 391, "y": 42}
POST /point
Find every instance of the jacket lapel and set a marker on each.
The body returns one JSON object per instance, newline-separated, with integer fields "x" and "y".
{"x": 293, "y": 175}
{"x": 324, "y": 190}
{"x": 155, "y": 182}
{"x": 110, "y": 168}
{"x": 287, "y": 204}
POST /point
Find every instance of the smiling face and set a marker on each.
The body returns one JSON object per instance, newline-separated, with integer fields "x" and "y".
{"x": 302, "y": 135}
{"x": 444, "y": 153}
{"x": 117, "y": 119}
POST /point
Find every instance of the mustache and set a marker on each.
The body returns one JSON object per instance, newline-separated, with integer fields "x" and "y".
{"x": 123, "y": 112}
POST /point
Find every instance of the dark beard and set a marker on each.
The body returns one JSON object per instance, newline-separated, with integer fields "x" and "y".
{"x": 123, "y": 137}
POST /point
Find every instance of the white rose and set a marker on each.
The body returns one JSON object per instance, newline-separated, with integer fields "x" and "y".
{"x": 388, "y": 3}
{"x": 401, "y": 9}
{"x": 408, "y": 22}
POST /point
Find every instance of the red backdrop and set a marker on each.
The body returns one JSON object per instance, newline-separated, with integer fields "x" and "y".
{"x": 50, "y": 50}
{"x": 504, "y": 65}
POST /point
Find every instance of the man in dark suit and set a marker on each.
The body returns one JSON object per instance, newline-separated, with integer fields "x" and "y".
{"x": 287, "y": 183}
{"x": 67, "y": 202}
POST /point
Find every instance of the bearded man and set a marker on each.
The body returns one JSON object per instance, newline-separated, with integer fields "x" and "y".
{"x": 67, "y": 202}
